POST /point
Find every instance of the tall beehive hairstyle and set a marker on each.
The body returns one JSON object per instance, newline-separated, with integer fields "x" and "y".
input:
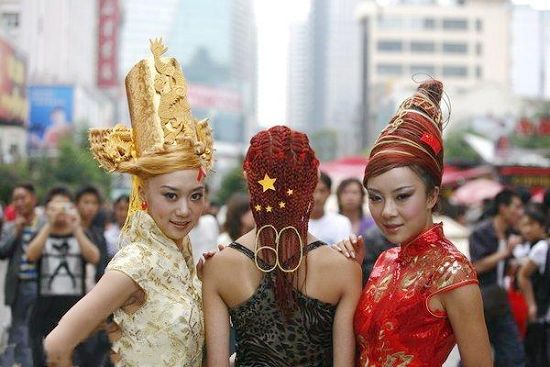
{"x": 413, "y": 136}
{"x": 282, "y": 173}
{"x": 164, "y": 136}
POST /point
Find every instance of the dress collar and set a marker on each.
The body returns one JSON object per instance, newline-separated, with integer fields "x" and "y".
{"x": 421, "y": 243}
{"x": 143, "y": 227}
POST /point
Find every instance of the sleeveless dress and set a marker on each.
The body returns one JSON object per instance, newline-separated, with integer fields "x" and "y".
{"x": 265, "y": 339}
{"x": 393, "y": 324}
{"x": 167, "y": 330}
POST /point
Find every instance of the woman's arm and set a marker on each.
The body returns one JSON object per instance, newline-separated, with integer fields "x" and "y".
{"x": 216, "y": 316}
{"x": 524, "y": 280}
{"x": 109, "y": 294}
{"x": 464, "y": 308}
{"x": 342, "y": 331}
{"x": 36, "y": 246}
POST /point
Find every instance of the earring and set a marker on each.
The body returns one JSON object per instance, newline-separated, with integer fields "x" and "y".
{"x": 144, "y": 205}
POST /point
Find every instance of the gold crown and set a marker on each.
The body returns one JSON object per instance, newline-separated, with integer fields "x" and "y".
{"x": 160, "y": 115}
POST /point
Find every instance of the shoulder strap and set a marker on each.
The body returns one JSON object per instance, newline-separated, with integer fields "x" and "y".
{"x": 248, "y": 253}
{"x": 310, "y": 247}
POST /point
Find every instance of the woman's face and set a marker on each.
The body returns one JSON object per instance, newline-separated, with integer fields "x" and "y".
{"x": 399, "y": 204}
{"x": 351, "y": 198}
{"x": 175, "y": 201}
{"x": 121, "y": 212}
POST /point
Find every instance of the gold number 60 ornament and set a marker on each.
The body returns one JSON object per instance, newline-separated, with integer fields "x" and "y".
{"x": 276, "y": 249}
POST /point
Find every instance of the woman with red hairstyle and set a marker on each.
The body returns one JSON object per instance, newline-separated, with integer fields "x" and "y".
{"x": 422, "y": 297}
{"x": 287, "y": 293}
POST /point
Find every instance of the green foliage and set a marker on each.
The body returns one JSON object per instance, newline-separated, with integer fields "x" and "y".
{"x": 530, "y": 141}
{"x": 457, "y": 150}
{"x": 73, "y": 166}
{"x": 233, "y": 181}
{"x": 324, "y": 143}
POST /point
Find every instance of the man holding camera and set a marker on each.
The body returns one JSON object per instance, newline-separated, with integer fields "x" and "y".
{"x": 20, "y": 284}
{"x": 61, "y": 250}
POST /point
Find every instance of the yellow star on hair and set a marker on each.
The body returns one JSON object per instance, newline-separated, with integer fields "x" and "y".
{"x": 268, "y": 183}
{"x": 268, "y": 209}
{"x": 282, "y": 204}
{"x": 289, "y": 192}
{"x": 258, "y": 208}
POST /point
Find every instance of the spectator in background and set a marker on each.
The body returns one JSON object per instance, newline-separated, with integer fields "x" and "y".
{"x": 120, "y": 211}
{"x": 20, "y": 285}
{"x": 88, "y": 201}
{"x": 238, "y": 218}
{"x": 205, "y": 235}
{"x": 351, "y": 197}
{"x": 375, "y": 244}
{"x": 490, "y": 249}
{"x": 214, "y": 208}
{"x": 61, "y": 249}
{"x": 534, "y": 280}
{"x": 328, "y": 227}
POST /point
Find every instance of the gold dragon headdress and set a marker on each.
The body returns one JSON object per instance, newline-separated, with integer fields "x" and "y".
{"x": 164, "y": 135}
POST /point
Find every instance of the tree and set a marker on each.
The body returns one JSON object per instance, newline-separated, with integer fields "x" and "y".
{"x": 72, "y": 166}
{"x": 232, "y": 182}
{"x": 458, "y": 151}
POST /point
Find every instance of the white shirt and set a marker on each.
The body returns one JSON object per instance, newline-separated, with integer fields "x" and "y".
{"x": 538, "y": 254}
{"x": 330, "y": 228}
{"x": 204, "y": 236}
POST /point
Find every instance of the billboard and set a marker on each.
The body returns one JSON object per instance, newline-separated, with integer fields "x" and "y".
{"x": 51, "y": 114}
{"x": 224, "y": 108}
{"x": 13, "y": 100}
{"x": 108, "y": 29}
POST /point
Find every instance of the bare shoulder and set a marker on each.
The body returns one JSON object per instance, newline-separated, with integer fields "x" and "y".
{"x": 222, "y": 263}
{"x": 333, "y": 262}
{"x": 462, "y": 300}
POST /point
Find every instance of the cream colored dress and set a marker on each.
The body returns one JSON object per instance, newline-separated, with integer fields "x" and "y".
{"x": 167, "y": 330}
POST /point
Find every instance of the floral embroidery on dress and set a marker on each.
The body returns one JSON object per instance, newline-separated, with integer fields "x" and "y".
{"x": 393, "y": 324}
{"x": 167, "y": 330}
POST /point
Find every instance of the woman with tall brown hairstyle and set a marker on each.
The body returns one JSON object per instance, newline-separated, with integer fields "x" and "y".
{"x": 422, "y": 297}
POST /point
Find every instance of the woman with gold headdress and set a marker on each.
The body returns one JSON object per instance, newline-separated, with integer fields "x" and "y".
{"x": 422, "y": 297}
{"x": 151, "y": 284}
{"x": 290, "y": 297}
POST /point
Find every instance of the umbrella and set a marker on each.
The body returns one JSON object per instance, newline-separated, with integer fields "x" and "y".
{"x": 475, "y": 191}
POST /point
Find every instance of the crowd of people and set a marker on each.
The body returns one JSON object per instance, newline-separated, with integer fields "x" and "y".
{"x": 157, "y": 279}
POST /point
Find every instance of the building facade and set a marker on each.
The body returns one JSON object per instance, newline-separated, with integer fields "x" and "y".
{"x": 465, "y": 44}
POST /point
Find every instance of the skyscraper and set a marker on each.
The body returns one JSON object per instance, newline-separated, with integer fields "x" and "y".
{"x": 324, "y": 75}
{"x": 215, "y": 42}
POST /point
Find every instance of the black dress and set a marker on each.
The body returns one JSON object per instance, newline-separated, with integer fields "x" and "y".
{"x": 265, "y": 338}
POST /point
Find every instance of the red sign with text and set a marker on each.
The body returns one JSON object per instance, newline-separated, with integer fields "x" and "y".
{"x": 108, "y": 37}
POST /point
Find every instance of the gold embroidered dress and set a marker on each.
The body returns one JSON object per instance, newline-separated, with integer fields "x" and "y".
{"x": 167, "y": 330}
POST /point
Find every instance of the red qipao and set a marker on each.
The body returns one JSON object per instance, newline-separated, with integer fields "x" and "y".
{"x": 393, "y": 323}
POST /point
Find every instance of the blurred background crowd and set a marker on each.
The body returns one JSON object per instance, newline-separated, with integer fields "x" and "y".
{"x": 335, "y": 69}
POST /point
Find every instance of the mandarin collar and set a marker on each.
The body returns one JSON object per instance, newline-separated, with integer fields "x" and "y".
{"x": 421, "y": 243}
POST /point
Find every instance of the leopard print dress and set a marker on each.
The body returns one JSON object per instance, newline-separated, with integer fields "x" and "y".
{"x": 265, "y": 338}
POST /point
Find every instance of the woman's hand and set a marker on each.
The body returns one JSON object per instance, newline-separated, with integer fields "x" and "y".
{"x": 205, "y": 256}
{"x": 352, "y": 247}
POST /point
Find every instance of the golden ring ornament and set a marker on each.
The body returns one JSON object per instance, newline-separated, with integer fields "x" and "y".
{"x": 276, "y": 249}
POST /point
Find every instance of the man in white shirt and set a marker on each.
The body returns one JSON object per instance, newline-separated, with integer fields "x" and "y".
{"x": 326, "y": 226}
